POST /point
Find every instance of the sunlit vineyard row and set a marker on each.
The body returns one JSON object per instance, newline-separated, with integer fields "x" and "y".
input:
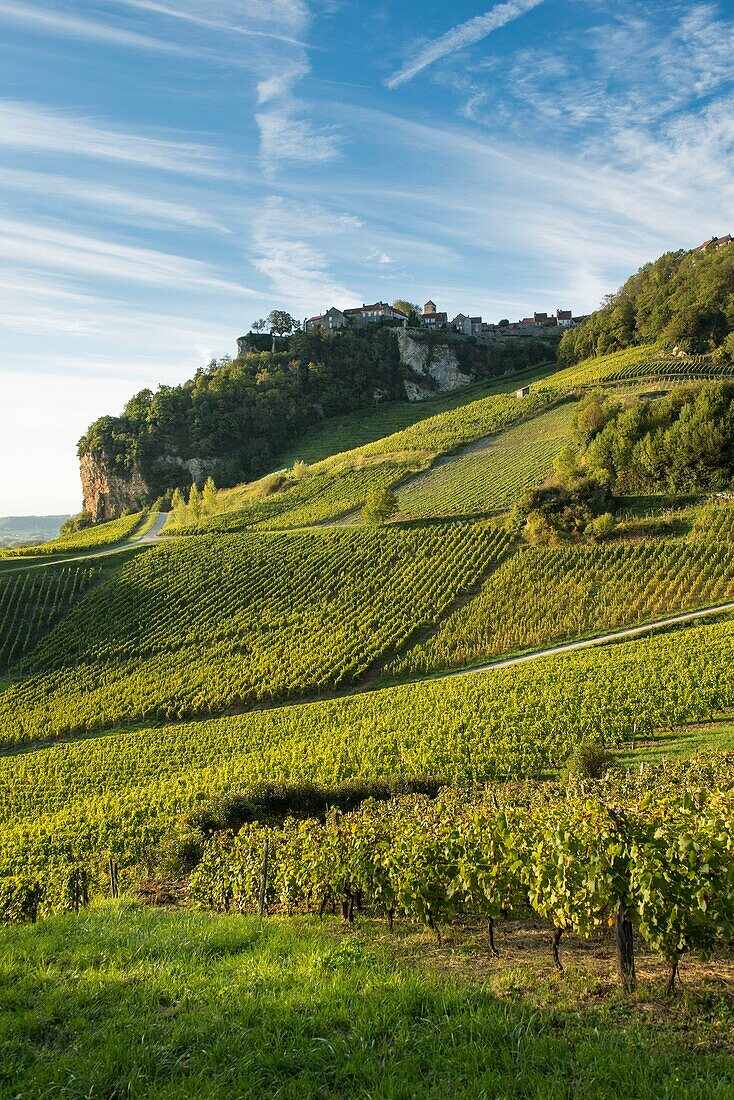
{"x": 541, "y": 596}
{"x": 715, "y": 521}
{"x": 638, "y": 363}
{"x": 201, "y": 625}
{"x": 654, "y": 850}
{"x": 493, "y": 476}
{"x": 31, "y": 601}
{"x": 91, "y": 538}
{"x": 341, "y": 483}
{"x": 116, "y": 795}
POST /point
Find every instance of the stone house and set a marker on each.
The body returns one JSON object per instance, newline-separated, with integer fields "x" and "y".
{"x": 431, "y": 319}
{"x": 335, "y": 319}
{"x": 467, "y": 326}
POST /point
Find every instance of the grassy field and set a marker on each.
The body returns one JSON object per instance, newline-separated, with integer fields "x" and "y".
{"x": 125, "y": 1001}
{"x": 119, "y": 793}
{"x": 340, "y": 483}
{"x": 101, "y": 536}
{"x": 638, "y": 363}
{"x": 544, "y": 595}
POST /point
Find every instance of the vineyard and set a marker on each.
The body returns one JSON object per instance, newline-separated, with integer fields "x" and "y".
{"x": 653, "y": 852}
{"x": 352, "y": 430}
{"x": 206, "y": 624}
{"x": 638, "y": 364}
{"x": 91, "y": 538}
{"x": 716, "y": 521}
{"x": 340, "y": 484}
{"x": 493, "y": 475}
{"x": 33, "y": 600}
{"x": 542, "y": 596}
{"x": 85, "y": 801}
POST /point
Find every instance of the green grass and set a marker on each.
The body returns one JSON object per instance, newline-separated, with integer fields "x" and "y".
{"x": 493, "y": 475}
{"x": 119, "y": 793}
{"x": 179, "y": 1005}
{"x": 340, "y": 483}
{"x": 636, "y": 364}
{"x": 678, "y": 743}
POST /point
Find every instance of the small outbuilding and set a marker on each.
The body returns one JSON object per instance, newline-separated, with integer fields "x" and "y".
{"x": 522, "y": 392}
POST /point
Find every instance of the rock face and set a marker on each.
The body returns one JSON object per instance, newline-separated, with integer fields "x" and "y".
{"x": 106, "y": 494}
{"x": 434, "y": 361}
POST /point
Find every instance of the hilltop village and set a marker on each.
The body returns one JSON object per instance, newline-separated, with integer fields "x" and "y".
{"x": 433, "y": 319}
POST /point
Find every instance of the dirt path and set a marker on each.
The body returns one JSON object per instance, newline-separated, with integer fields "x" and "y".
{"x": 586, "y": 643}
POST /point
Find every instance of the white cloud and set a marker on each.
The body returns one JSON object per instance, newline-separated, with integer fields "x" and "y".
{"x": 282, "y": 21}
{"x": 379, "y": 257}
{"x": 298, "y": 269}
{"x": 461, "y": 36}
{"x": 40, "y": 129}
{"x": 41, "y": 246}
{"x": 288, "y": 135}
{"x": 122, "y": 204}
{"x": 73, "y": 26}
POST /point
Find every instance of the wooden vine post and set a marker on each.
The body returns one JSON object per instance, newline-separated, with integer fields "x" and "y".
{"x": 263, "y": 879}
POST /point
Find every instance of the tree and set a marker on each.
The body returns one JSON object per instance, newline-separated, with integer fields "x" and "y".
{"x": 194, "y": 503}
{"x": 259, "y": 326}
{"x": 406, "y": 307}
{"x": 209, "y": 497}
{"x": 280, "y": 322}
{"x": 379, "y": 506}
{"x": 178, "y": 507}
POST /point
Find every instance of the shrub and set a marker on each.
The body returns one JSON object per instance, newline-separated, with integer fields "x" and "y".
{"x": 589, "y": 760}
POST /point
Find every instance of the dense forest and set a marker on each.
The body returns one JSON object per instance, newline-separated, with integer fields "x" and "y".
{"x": 245, "y": 412}
{"x": 683, "y": 299}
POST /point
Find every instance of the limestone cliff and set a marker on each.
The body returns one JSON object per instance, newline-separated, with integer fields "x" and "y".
{"x": 108, "y": 494}
{"x": 435, "y": 361}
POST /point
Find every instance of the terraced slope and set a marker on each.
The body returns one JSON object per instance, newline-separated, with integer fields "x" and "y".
{"x": 350, "y": 430}
{"x": 542, "y": 596}
{"x": 340, "y": 484}
{"x": 202, "y": 625}
{"x": 492, "y": 475}
{"x": 116, "y": 795}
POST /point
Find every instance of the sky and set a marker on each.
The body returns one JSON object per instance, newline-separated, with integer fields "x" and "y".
{"x": 171, "y": 170}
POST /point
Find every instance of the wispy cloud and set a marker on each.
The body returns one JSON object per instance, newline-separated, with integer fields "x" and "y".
{"x": 287, "y": 134}
{"x": 40, "y": 246}
{"x": 63, "y": 23}
{"x": 40, "y": 129}
{"x": 297, "y": 268}
{"x": 286, "y": 19}
{"x": 634, "y": 67}
{"x": 116, "y": 202}
{"x": 461, "y": 36}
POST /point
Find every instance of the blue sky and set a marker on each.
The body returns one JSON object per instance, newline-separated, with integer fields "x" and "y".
{"x": 171, "y": 170}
